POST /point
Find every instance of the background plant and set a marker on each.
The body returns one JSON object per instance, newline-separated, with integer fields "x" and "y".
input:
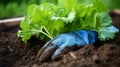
{"x": 14, "y": 8}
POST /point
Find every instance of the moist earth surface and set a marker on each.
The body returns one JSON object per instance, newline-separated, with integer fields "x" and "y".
{"x": 15, "y": 53}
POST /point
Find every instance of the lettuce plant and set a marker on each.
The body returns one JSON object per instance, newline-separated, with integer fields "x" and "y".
{"x": 48, "y": 20}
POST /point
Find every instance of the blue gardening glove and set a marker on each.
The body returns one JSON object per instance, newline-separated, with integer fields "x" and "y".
{"x": 54, "y": 47}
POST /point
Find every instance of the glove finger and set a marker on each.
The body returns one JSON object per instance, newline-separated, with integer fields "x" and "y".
{"x": 48, "y": 49}
{"x": 43, "y": 49}
{"x": 47, "y": 52}
{"x": 63, "y": 50}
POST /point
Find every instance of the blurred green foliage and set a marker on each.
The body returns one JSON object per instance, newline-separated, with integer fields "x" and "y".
{"x": 112, "y": 4}
{"x": 14, "y": 8}
{"x": 51, "y": 1}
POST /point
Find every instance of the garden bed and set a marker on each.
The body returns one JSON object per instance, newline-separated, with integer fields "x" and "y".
{"x": 15, "y": 53}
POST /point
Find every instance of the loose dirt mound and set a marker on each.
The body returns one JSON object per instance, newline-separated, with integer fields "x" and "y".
{"x": 15, "y": 53}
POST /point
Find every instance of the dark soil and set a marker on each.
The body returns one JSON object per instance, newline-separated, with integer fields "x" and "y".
{"x": 15, "y": 53}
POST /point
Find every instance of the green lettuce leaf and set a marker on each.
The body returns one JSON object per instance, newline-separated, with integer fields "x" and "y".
{"x": 48, "y": 20}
